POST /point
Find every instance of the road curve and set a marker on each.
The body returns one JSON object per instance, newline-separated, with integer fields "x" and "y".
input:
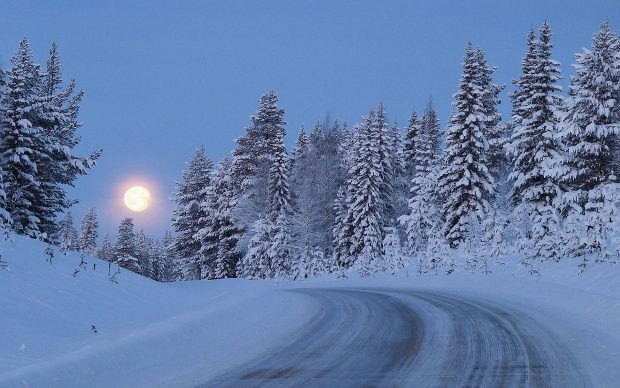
{"x": 404, "y": 338}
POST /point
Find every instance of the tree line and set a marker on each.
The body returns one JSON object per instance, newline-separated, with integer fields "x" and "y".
{"x": 541, "y": 186}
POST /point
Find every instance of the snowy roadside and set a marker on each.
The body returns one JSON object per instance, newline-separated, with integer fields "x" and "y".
{"x": 175, "y": 333}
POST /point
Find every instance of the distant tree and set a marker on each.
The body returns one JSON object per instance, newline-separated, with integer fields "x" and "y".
{"x": 125, "y": 249}
{"x": 106, "y": 250}
{"x": 189, "y": 216}
{"x": 253, "y": 161}
{"x": 66, "y": 235}
{"x": 256, "y": 264}
{"x": 89, "y": 232}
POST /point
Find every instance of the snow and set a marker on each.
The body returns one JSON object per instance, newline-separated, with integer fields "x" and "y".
{"x": 146, "y": 331}
{"x": 181, "y": 334}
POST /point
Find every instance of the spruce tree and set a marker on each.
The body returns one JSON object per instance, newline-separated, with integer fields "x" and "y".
{"x": 465, "y": 180}
{"x": 221, "y": 236}
{"x": 66, "y": 235}
{"x": 534, "y": 147}
{"x": 253, "y": 160}
{"x": 422, "y": 219}
{"x": 57, "y": 117}
{"x": 106, "y": 250}
{"x": 365, "y": 197}
{"x": 591, "y": 134}
{"x": 89, "y": 232}
{"x": 410, "y": 145}
{"x": 256, "y": 263}
{"x": 125, "y": 249}
{"x": 22, "y": 144}
{"x": 190, "y": 215}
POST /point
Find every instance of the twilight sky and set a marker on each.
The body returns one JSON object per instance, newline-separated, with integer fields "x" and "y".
{"x": 162, "y": 77}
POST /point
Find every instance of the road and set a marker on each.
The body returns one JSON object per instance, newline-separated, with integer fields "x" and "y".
{"x": 404, "y": 338}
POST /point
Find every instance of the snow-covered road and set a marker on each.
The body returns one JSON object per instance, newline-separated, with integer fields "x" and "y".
{"x": 399, "y": 337}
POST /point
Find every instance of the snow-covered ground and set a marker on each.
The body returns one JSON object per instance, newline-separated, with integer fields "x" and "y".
{"x": 182, "y": 334}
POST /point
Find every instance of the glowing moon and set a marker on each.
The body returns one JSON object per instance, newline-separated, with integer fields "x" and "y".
{"x": 137, "y": 198}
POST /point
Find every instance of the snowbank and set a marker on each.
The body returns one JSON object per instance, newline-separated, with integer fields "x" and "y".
{"x": 146, "y": 331}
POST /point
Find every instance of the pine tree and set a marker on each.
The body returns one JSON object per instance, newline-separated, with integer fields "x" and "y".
{"x": 394, "y": 257}
{"x": 125, "y": 249}
{"x": 21, "y": 143}
{"x": 6, "y": 222}
{"x": 89, "y": 232}
{"x": 591, "y": 134}
{"x": 326, "y": 175}
{"x": 364, "y": 223}
{"x": 189, "y": 215}
{"x": 411, "y": 146}
{"x": 225, "y": 230}
{"x": 280, "y": 248}
{"x": 253, "y": 160}
{"x": 279, "y": 194}
{"x": 423, "y": 217}
{"x": 534, "y": 146}
{"x": 166, "y": 265}
{"x": 143, "y": 253}
{"x": 256, "y": 264}
{"x": 106, "y": 250}
{"x": 66, "y": 235}
{"x": 57, "y": 117}
{"x": 465, "y": 180}
{"x": 305, "y": 204}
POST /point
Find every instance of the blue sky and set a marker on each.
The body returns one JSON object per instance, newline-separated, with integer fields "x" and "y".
{"x": 162, "y": 77}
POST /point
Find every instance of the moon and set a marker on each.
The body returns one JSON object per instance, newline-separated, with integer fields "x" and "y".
{"x": 137, "y": 198}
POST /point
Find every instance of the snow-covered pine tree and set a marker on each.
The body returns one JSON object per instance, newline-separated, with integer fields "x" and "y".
{"x": 253, "y": 159}
{"x": 326, "y": 176}
{"x": 106, "y": 250}
{"x": 229, "y": 233}
{"x": 422, "y": 219}
{"x": 66, "y": 235}
{"x": 342, "y": 230}
{"x": 591, "y": 134}
{"x": 57, "y": 117}
{"x": 143, "y": 252}
{"x": 89, "y": 232}
{"x": 256, "y": 263}
{"x": 382, "y": 132}
{"x": 21, "y": 143}
{"x": 280, "y": 210}
{"x": 6, "y": 222}
{"x": 465, "y": 180}
{"x": 410, "y": 145}
{"x": 125, "y": 249}
{"x": 400, "y": 181}
{"x": 304, "y": 201}
{"x": 364, "y": 223}
{"x": 535, "y": 149}
{"x": 493, "y": 127}
{"x": 189, "y": 215}
{"x": 166, "y": 265}
{"x": 280, "y": 248}
{"x": 394, "y": 257}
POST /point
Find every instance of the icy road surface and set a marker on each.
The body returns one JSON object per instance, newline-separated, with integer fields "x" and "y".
{"x": 393, "y": 337}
